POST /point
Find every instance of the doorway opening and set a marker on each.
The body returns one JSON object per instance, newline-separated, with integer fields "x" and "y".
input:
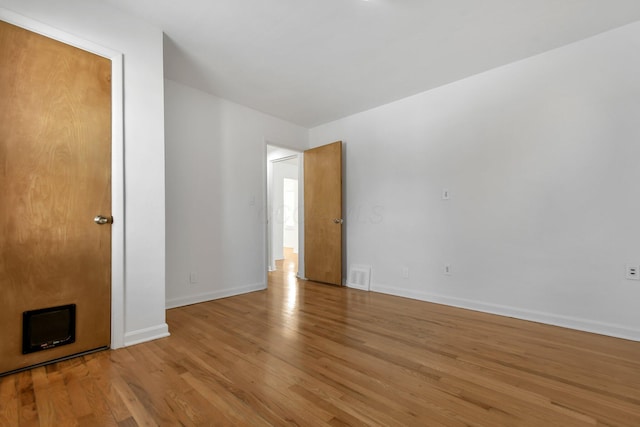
{"x": 284, "y": 207}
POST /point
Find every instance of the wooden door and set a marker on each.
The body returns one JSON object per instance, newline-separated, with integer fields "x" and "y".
{"x": 323, "y": 213}
{"x": 55, "y": 177}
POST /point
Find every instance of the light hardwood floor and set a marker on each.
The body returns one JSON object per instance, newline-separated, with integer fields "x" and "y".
{"x": 307, "y": 354}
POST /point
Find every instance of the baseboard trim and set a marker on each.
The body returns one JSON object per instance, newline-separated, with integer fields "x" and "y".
{"x": 356, "y": 286}
{"x": 210, "y": 296}
{"x": 579, "y": 324}
{"x": 147, "y": 334}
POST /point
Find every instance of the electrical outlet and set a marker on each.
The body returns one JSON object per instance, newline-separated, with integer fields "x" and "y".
{"x": 632, "y": 272}
{"x": 447, "y": 270}
{"x": 446, "y": 194}
{"x": 193, "y": 277}
{"x": 405, "y": 272}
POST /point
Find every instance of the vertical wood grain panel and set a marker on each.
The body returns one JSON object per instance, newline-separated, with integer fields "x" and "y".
{"x": 323, "y": 204}
{"x": 55, "y": 176}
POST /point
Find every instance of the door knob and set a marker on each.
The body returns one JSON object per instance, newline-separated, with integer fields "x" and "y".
{"x": 338, "y": 220}
{"x": 100, "y": 220}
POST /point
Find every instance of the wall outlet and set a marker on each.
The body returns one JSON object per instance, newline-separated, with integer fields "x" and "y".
{"x": 405, "y": 272}
{"x": 632, "y": 272}
{"x": 193, "y": 277}
{"x": 446, "y": 194}
{"x": 447, "y": 269}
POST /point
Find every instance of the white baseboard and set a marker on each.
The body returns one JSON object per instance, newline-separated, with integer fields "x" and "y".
{"x": 585, "y": 325}
{"x": 209, "y": 296}
{"x": 147, "y": 334}
{"x": 357, "y": 286}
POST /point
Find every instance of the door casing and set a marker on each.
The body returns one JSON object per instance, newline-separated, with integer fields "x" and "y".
{"x": 117, "y": 158}
{"x": 267, "y": 203}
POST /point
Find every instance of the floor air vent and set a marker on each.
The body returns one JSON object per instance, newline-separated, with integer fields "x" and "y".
{"x": 359, "y": 277}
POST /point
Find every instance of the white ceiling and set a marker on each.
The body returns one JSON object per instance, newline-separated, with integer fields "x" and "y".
{"x": 313, "y": 61}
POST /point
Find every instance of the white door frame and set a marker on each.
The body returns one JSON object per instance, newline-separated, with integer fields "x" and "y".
{"x": 267, "y": 203}
{"x": 273, "y": 224}
{"x": 117, "y": 158}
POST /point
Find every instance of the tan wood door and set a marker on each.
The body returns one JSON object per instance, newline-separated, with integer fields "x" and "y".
{"x": 55, "y": 177}
{"x": 323, "y": 213}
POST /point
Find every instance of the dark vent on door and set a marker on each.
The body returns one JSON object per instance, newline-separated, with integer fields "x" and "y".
{"x": 48, "y": 328}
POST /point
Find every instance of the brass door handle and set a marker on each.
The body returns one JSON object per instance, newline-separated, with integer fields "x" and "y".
{"x": 338, "y": 220}
{"x": 101, "y": 220}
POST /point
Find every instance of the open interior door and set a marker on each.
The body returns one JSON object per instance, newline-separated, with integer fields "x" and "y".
{"x": 323, "y": 213}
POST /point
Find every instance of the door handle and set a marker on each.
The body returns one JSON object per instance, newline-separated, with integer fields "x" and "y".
{"x": 338, "y": 220}
{"x": 101, "y": 220}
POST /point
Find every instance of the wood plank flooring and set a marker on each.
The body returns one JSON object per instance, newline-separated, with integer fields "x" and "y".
{"x": 307, "y": 354}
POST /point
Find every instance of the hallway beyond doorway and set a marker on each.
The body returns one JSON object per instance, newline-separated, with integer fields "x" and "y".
{"x": 289, "y": 263}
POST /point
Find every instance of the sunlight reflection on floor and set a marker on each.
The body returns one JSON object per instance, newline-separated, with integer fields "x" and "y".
{"x": 289, "y": 266}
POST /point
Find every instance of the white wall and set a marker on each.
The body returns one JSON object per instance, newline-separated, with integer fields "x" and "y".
{"x": 282, "y": 236}
{"x": 216, "y": 193}
{"x": 141, "y": 45}
{"x": 276, "y": 218}
{"x": 290, "y": 209}
{"x": 542, "y": 161}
